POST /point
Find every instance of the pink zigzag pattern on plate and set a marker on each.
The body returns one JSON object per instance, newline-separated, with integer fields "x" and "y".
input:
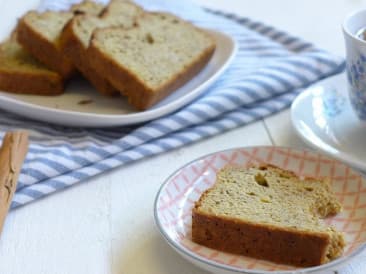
{"x": 179, "y": 194}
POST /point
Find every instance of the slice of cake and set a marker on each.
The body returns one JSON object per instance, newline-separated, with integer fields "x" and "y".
{"x": 149, "y": 61}
{"x": 78, "y": 32}
{"x": 87, "y": 7}
{"x": 21, "y": 73}
{"x": 39, "y": 33}
{"x": 268, "y": 213}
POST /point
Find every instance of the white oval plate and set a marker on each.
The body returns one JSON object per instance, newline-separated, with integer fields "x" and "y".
{"x": 174, "y": 202}
{"x": 323, "y": 117}
{"x": 68, "y": 110}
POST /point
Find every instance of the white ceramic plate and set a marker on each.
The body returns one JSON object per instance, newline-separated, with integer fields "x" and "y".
{"x": 323, "y": 118}
{"x": 101, "y": 111}
{"x": 174, "y": 202}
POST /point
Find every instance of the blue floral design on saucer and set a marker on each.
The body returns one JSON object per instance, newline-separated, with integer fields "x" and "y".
{"x": 333, "y": 102}
{"x": 356, "y": 74}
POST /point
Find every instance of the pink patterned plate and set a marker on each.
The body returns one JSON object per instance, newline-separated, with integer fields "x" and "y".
{"x": 174, "y": 202}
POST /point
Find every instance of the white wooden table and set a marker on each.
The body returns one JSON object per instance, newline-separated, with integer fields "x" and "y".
{"x": 106, "y": 225}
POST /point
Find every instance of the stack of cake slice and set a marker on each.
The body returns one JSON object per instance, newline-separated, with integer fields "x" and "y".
{"x": 120, "y": 48}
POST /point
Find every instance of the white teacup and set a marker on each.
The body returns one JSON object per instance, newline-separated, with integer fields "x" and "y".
{"x": 356, "y": 61}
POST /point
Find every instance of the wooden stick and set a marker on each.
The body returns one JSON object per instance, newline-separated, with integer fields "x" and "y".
{"x": 12, "y": 154}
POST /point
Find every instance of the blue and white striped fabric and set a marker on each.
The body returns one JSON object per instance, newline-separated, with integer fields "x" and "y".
{"x": 270, "y": 69}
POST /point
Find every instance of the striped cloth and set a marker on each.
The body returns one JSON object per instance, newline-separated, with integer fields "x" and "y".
{"x": 269, "y": 70}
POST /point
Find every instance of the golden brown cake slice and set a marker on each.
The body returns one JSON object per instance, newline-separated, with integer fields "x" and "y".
{"x": 149, "y": 61}
{"x": 268, "y": 213}
{"x": 39, "y": 33}
{"x": 87, "y": 7}
{"x": 21, "y": 73}
{"x": 78, "y": 32}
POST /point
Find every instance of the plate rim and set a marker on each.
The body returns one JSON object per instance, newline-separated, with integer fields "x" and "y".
{"x": 195, "y": 257}
{"x": 127, "y": 119}
{"x": 340, "y": 155}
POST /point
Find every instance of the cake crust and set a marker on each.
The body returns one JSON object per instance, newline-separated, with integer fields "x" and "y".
{"x": 39, "y": 33}
{"x": 140, "y": 94}
{"x": 21, "y": 73}
{"x": 75, "y": 48}
{"x": 228, "y": 229}
{"x": 44, "y": 50}
{"x": 29, "y": 83}
{"x": 72, "y": 48}
{"x": 258, "y": 241}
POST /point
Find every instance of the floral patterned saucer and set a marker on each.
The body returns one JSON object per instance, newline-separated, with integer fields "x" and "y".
{"x": 324, "y": 118}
